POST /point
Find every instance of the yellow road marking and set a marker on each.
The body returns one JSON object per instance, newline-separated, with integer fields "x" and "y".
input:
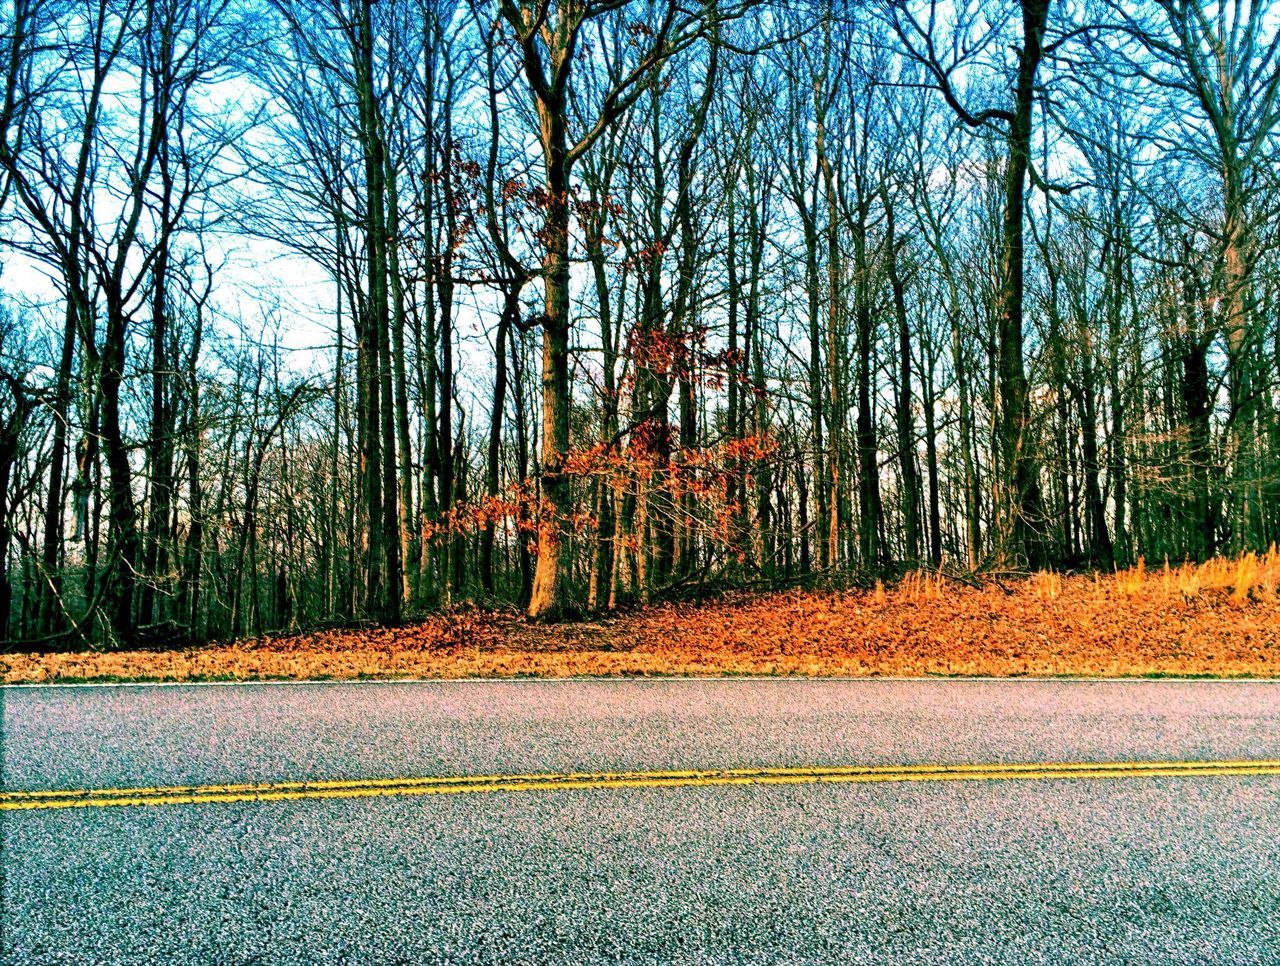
{"x": 470, "y": 784}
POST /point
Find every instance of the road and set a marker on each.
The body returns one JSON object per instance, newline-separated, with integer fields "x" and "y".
{"x": 1139, "y": 868}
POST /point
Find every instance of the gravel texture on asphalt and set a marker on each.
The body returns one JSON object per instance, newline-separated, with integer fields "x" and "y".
{"x": 1128, "y": 870}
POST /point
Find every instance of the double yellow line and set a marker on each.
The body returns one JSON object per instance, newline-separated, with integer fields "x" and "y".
{"x": 565, "y": 781}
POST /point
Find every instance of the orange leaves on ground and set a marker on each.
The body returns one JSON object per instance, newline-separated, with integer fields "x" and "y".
{"x": 1221, "y": 618}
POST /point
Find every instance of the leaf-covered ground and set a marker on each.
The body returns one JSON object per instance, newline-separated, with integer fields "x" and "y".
{"x": 1221, "y": 619}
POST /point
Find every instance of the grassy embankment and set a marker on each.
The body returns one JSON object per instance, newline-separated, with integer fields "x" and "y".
{"x": 1218, "y": 619}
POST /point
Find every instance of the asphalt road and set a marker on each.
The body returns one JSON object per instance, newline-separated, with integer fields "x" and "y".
{"x": 1136, "y": 869}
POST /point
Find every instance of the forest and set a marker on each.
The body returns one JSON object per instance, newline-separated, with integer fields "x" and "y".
{"x": 336, "y": 312}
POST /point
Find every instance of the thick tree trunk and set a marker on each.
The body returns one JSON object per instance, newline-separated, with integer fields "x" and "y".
{"x": 1020, "y": 490}
{"x": 408, "y": 555}
{"x": 548, "y": 597}
{"x": 123, "y": 535}
{"x": 1246, "y": 522}
{"x": 391, "y": 600}
{"x": 371, "y": 326}
{"x": 600, "y": 590}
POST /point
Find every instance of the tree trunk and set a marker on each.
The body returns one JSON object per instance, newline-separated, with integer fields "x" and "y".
{"x": 906, "y": 429}
{"x": 51, "y": 548}
{"x": 1021, "y": 487}
{"x": 547, "y": 599}
{"x": 123, "y": 534}
{"x": 869, "y": 545}
{"x": 10, "y": 438}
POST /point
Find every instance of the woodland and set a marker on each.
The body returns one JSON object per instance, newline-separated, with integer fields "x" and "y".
{"x": 324, "y": 313}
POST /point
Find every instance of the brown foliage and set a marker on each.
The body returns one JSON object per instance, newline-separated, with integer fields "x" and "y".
{"x": 1222, "y": 618}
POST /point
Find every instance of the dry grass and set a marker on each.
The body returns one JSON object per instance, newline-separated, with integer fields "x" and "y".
{"x": 1221, "y": 618}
